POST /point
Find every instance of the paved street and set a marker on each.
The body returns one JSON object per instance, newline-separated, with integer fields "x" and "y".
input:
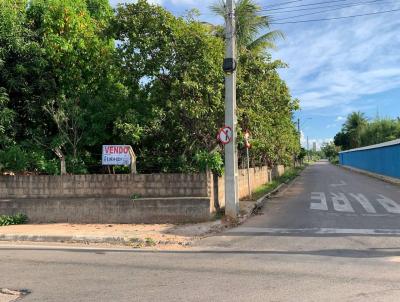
{"x": 333, "y": 235}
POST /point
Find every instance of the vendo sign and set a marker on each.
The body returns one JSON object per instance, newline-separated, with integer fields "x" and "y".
{"x": 116, "y": 155}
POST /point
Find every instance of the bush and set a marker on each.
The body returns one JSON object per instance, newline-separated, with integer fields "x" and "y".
{"x": 14, "y": 159}
{"x": 13, "y": 220}
{"x": 212, "y": 161}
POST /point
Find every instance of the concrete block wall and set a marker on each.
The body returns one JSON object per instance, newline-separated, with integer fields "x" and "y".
{"x": 126, "y": 185}
{"x": 258, "y": 177}
{"x": 110, "y": 210}
{"x": 165, "y": 198}
{"x": 278, "y": 171}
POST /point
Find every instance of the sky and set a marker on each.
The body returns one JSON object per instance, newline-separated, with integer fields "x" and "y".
{"x": 336, "y": 66}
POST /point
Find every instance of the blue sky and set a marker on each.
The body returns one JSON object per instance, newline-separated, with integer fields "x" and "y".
{"x": 335, "y": 67}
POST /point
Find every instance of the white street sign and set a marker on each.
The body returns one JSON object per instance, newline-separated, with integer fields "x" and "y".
{"x": 116, "y": 155}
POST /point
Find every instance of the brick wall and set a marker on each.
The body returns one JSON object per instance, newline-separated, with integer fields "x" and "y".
{"x": 126, "y": 185}
{"x": 258, "y": 177}
{"x": 106, "y": 198}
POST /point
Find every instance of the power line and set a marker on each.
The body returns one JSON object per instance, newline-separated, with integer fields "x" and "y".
{"x": 328, "y": 6}
{"x": 326, "y": 11}
{"x": 284, "y": 3}
{"x": 336, "y": 18}
{"x": 303, "y": 5}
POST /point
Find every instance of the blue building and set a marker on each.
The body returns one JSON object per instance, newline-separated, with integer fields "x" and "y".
{"x": 381, "y": 159}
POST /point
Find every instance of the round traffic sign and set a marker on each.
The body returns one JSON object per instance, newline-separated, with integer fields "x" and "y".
{"x": 225, "y": 135}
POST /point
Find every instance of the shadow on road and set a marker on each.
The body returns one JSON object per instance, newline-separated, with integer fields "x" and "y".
{"x": 344, "y": 253}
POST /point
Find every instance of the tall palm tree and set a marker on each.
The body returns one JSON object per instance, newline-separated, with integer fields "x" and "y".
{"x": 249, "y": 25}
{"x": 354, "y": 126}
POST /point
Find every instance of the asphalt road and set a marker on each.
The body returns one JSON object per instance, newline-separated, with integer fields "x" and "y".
{"x": 300, "y": 249}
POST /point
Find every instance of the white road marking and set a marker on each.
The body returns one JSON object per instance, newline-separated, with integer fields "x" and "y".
{"x": 364, "y": 202}
{"x": 321, "y": 231}
{"x": 340, "y": 184}
{"x": 379, "y": 215}
{"x": 341, "y": 203}
{"x": 322, "y": 205}
{"x": 390, "y": 205}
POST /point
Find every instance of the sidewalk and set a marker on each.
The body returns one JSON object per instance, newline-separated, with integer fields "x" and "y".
{"x": 134, "y": 235}
{"x": 130, "y": 235}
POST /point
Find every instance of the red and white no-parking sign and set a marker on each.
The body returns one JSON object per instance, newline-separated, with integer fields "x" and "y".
{"x": 225, "y": 135}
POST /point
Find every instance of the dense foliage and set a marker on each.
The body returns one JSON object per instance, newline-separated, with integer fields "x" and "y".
{"x": 331, "y": 152}
{"x": 13, "y": 220}
{"x": 75, "y": 74}
{"x": 357, "y": 131}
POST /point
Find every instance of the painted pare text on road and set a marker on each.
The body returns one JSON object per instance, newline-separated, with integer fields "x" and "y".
{"x": 341, "y": 202}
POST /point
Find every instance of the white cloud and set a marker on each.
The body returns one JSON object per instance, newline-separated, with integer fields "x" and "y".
{"x": 336, "y": 64}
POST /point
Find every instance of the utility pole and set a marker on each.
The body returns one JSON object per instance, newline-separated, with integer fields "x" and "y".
{"x": 308, "y": 150}
{"x": 231, "y": 162}
{"x": 298, "y": 130}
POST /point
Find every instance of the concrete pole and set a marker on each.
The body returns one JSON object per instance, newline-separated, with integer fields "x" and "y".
{"x": 308, "y": 150}
{"x": 231, "y": 163}
{"x": 298, "y": 130}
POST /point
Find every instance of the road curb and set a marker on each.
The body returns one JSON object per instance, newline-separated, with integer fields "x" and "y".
{"x": 81, "y": 239}
{"x": 261, "y": 201}
{"x": 71, "y": 239}
{"x": 384, "y": 178}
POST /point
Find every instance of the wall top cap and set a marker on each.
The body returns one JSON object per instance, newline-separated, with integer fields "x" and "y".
{"x": 386, "y": 144}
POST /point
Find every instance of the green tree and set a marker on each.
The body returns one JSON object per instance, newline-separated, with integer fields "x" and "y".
{"x": 330, "y": 151}
{"x": 379, "y": 131}
{"x": 265, "y": 107}
{"x": 7, "y": 116}
{"x": 249, "y": 25}
{"x": 354, "y": 127}
{"x": 72, "y": 36}
{"x": 172, "y": 67}
{"x": 351, "y": 134}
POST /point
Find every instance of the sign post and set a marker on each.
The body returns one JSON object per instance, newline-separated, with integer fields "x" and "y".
{"x": 247, "y": 145}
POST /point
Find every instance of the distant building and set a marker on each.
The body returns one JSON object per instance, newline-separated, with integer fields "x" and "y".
{"x": 314, "y": 146}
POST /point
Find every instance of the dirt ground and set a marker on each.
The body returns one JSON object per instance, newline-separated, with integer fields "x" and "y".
{"x": 134, "y": 235}
{"x": 9, "y": 295}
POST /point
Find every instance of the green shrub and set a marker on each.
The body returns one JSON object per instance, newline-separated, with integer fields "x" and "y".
{"x": 212, "y": 161}
{"x": 14, "y": 159}
{"x": 13, "y": 220}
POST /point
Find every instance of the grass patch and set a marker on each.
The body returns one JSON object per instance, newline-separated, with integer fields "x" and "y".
{"x": 139, "y": 243}
{"x": 13, "y": 220}
{"x": 289, "y": 175}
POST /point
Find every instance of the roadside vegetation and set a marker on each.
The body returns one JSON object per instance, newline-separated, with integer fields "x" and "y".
{"x": 77, "y": 74}
{"x": 358, "y": 131}
{"x": 13, "y": 219}
{"x": 289, "y": 175}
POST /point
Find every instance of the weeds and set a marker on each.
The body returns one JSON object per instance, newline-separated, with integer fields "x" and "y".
{"x": 13, "y": 220}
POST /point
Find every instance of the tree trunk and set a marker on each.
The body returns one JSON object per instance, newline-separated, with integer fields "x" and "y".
{"x": 63, "y": 166}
